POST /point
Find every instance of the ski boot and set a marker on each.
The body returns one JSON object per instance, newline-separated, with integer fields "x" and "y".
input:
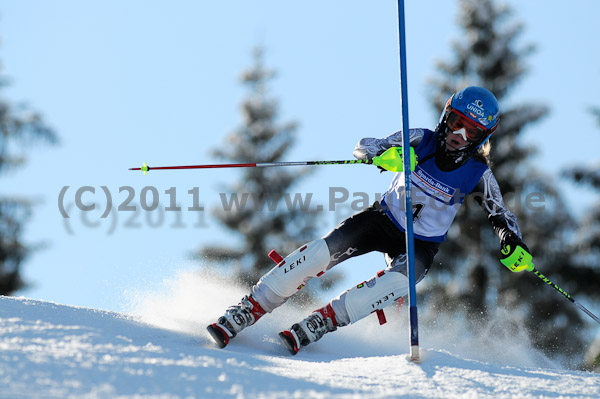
{"x": 235, "y": 319}
{"x": 309, "y": 330}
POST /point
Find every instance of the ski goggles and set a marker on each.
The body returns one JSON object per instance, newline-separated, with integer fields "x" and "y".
{"x": 467, "y": 128}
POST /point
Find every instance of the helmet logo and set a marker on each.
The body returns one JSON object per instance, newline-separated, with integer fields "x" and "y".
{"x": 477, "y": 108}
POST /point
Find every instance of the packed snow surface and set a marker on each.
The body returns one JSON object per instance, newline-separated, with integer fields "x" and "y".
{"x": 161, "y": 350}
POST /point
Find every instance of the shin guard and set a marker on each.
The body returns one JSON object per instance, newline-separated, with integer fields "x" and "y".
{"x": 373, "y": 295}
{"x": 297, "y": 268}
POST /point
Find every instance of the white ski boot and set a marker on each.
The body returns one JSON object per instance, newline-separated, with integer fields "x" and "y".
{"x": 235, "y": 319}
{"x": 309, "y": 330}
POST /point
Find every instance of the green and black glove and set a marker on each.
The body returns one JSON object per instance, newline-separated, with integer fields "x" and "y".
{"x": 515, "y": 255}
{"x": 391, "y": 159}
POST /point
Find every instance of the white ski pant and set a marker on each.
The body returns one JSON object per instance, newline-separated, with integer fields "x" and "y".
{"x": 369, "y": 230}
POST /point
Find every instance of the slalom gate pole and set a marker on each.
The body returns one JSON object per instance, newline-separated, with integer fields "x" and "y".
{"x": 565, "y": 294}
{"x": 410, "y": 247}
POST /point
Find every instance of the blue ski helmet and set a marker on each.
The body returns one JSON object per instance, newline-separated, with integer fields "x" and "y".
{"x": 477, "y": 104}
{"x": 476, "y": 109}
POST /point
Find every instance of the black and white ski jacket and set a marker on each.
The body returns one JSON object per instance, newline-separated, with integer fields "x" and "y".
{"x": 436, "y": 195}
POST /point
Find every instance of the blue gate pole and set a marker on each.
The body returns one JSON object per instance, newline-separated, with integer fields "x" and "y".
{"x": 410, "y": 246}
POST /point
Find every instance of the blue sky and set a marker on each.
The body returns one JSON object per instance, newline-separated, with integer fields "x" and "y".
{"x": 128, "y": 82}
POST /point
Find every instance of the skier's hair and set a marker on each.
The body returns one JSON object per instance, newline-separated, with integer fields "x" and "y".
{"x": 483, "y": 153}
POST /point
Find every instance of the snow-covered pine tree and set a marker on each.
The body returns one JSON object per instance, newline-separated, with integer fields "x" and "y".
{"x": 587, "y": 243}
{"x": 20, "y": 127}
{"x": 266, "y": 222}
{"x": 471, "y": 278}
{"x": 588, "y": 235}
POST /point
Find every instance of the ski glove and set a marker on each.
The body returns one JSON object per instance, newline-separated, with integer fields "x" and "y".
{"x": 516, "y": 256}
{"x": 381, "y": 170}
{"x": 391, "y": 159}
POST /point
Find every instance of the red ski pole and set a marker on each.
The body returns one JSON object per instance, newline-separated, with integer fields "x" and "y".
{"x": 391, "y": 159}
{"x": 145, "y": 168}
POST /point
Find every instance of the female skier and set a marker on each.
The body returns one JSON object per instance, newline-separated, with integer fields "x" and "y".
{"x": 452, "y": 162}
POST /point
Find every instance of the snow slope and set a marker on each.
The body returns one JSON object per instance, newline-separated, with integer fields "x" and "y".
{"x": 49, "y": 350}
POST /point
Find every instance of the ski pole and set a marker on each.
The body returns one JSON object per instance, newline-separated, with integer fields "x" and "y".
{"x": 565, "y": 294}
{"x": 391, "y": 159}
{"x": 145, "y": 168}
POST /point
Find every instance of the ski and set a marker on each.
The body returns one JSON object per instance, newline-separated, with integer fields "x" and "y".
{"x": 289, "y": 340}
{"x": 218, "y": 334}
